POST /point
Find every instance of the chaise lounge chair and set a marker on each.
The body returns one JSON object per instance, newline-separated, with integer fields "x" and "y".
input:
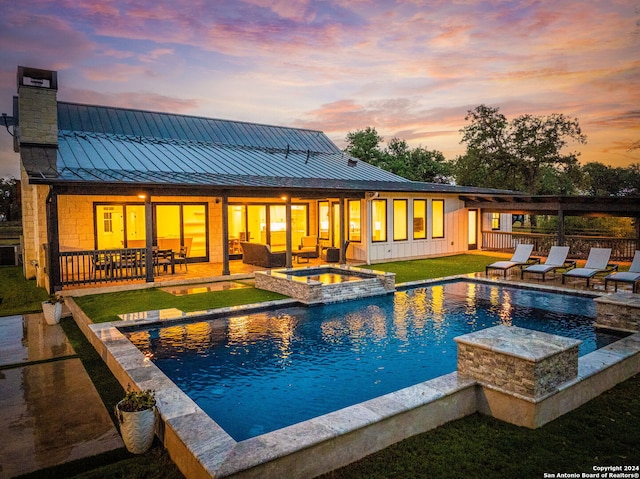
{"x": 632, "y": 276}
{"x": 597, "y": 262}
{"x": 520, "y": 257}
{"x": 557, "y": 259}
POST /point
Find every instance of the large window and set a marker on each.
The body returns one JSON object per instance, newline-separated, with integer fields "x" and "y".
{"x": 119, "y": 226}
{"x": 354, "y": 220}
{"x": 378, "y": 220}
{"x": 419, "y": 219}
{"x": 437, "y": 214}
{"x": 182, "y": 225}
{"x": 400, "y": 219}
{"x": 266, "y": 224}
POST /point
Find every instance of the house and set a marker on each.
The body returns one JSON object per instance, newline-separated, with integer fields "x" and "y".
{"x": 101, "y": 182}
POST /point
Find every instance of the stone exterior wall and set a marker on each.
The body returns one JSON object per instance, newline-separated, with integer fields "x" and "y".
{"x": 517, "y": 375}
{"x": 518, "y": 361}
{"x": 34, "y": 230}
{"x": 38, "y": 123}
{"x": 619, "y": 311}
{"x": 38, "y": 119}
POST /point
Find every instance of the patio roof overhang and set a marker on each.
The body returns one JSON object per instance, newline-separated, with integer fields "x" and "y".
{"x": 628, "y": 206}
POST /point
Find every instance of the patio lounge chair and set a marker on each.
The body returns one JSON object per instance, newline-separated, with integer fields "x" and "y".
{"x": 632, "y": 276}
{"x": 557, "y": 259}
{"x": 520, "y": 257}
{"x": 597, "y": 262}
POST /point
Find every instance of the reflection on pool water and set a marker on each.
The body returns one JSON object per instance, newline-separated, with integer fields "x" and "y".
{"x": 259, "y": 372}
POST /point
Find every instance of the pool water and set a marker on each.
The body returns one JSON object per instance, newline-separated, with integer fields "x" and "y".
{"x": 260, "y": 372}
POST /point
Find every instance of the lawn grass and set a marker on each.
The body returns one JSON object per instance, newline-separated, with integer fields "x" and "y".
{"x": 430, "y": 268}
{"x": 18, "y": 295}
{"x": 106, "y": 307}
{"x": 604, "y": 432}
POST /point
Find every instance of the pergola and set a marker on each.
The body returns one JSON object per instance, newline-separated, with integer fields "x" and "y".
{"x": 560, "y": 206}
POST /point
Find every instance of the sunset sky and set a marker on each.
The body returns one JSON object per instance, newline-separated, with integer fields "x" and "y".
{"x": 409, "y": 68}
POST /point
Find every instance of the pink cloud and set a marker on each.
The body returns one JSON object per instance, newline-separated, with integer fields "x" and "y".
{"x": 115, "y": 72}
{"x": 137, "y": 100}
{"x": 40, "y": 40}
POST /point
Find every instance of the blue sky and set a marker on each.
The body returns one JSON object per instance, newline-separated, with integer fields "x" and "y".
{"x": 409, "y": 68}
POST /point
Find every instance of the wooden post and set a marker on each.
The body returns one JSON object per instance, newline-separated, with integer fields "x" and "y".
{"x": 225, "y": 235}
{"x": 343, "y": 252}
{"x": 53, "y": 241}
{"x": 560, "y": 226}
{"x": 148, "y": 231}
{"x": 289, "y": 241}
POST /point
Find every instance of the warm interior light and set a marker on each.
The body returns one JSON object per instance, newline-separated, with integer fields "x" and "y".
{"x": 142, "y": 196}
{"x": 283, "y": 198}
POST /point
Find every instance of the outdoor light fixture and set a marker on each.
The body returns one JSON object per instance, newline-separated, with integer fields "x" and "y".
{"x": 142, "y": 196}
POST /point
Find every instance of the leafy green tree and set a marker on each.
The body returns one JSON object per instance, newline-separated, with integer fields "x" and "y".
{"x": 603, "y": 180}
{"x": 364, "y": 145}
{"x": 632, "y": 179}
{"x": 520, "y": 154}
{"x": 9, "y": 199}
{"x": 418, "y": 164}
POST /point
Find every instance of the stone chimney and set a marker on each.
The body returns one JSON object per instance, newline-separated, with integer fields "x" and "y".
{"x": 37, "y": 115}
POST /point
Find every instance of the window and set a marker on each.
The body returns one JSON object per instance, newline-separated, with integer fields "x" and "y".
{"x": 419, "y": 219}
{"x": 495, "y": 221}
{"x": 267, "y": 224}
{"x": 119, "y": 226}
{"x": 323, "y": 220}
{"x": 108, "y": 221}
{"x": 400, "y": 220}
{"x": 378, "y": 220}
{"x": 354, "y": 220}
{"x": 437, "y": 217}
{"x": 183, "y": 224}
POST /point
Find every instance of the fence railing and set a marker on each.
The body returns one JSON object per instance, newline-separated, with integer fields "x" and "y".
{"x": 622, "y": 249}
{"x": 102, "y": 266}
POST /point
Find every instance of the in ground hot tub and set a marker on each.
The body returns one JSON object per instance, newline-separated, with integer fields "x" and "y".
{"x": 326, "y": 283}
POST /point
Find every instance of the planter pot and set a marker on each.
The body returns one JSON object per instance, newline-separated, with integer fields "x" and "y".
{"x": 52, "y": 312}
{"x": 137, "y": 429}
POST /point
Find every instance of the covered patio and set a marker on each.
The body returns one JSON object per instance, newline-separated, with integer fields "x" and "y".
{"x": 562, "y": 207}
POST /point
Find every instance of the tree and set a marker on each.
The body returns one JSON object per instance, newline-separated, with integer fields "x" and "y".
{"x": 364, "y": 145}
{"x": 9, "y": 200}
{"x": 418, "y": 164}
{"x": 519, "y": 155}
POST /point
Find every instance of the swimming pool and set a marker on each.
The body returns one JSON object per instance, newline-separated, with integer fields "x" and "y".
{"x": 263, "y": 371}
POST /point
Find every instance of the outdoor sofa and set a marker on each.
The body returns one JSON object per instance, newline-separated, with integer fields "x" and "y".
{"x": 259, "y": 254}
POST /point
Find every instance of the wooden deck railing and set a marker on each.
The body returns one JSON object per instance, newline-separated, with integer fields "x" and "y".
{"x": 622, "y": 249}
{"x": 102, "y": 266}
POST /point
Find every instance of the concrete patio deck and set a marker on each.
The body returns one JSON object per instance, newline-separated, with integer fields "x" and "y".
{"x": 50, "y": 412}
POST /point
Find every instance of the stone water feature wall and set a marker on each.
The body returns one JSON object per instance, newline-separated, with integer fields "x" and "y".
{"x": 517, "y": 370}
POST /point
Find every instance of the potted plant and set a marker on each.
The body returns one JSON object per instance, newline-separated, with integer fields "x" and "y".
{"x": 52, "y": 308}
{"x": 136, "y": 415}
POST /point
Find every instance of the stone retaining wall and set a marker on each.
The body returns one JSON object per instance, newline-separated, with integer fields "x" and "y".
{"x": 620, "y": 311}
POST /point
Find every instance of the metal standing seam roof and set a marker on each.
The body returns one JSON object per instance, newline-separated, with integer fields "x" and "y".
{"x": 107, "y": 145}
{"x": 96, "y": 142}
